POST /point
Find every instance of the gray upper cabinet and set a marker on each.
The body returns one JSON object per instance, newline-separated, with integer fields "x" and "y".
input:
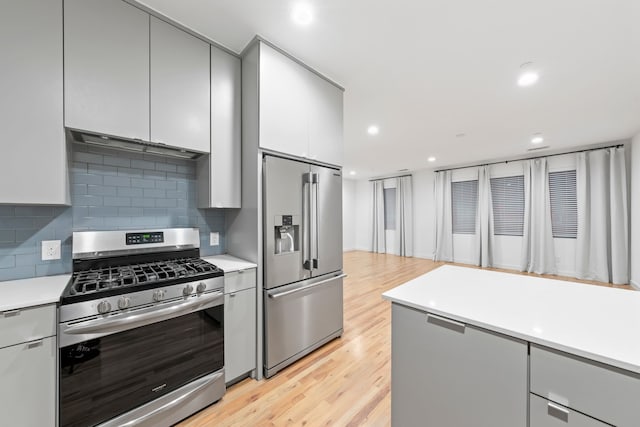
{"x": 284, "y": 125}
{"x": 180, "y": 87}
{"x": 300, "y": 112}
{"x": 33, "y": 160}
{"x": 106, "y": 54}
{"x": 220, "y": 174}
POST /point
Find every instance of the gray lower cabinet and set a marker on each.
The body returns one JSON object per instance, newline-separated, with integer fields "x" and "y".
{"x": 448, "y": 374}
{"x": 31, "y": 104}
{"x": 180, "y": 86}
{"x": 28, "y": 367}
{"x": 600, "y": 391}
{"x": 220, "y": 174}
{"x": 545, "y": 413}
{"x": 239, "y": 324}
{"x": 106, "y": 64}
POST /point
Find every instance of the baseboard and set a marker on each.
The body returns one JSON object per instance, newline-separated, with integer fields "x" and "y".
{"x": 349, "y": 249}
{"x": 423, "y": 256}
{"x": 635, "y": 284}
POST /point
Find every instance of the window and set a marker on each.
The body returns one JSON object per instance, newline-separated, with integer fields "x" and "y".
{"x": 564, "y": 206}
{"x": 464, "y": 204}
{"x": 507, "y": 199}
{"x": 389, "y": 208}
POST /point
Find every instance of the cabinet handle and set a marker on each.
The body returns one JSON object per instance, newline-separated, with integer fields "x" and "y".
{"x": 446, "y": 323}
{"x": 232, "y": 295}
{"x": 557, "y": 411}
{"x": 240, "y": 271}
{"x": 11, "y": 313}
{"x": 34, "y": 344}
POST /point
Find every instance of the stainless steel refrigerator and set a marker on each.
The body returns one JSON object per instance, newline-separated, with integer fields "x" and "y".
{"x": 302, "y": 214}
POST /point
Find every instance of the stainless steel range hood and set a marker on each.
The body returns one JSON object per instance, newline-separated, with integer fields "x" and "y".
{"x": 134, "y": 145}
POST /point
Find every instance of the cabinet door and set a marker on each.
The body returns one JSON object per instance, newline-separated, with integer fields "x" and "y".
{"x": 106, "y": 69}
{"x": 180, "y": 86}
{"x": 226, "y": 168}
{"x": 449, "y": 374}
{"x": 284, "y": 95}
{"x": 325, "y": 122}
{"x": 27, "y": 389}
{"x": 544, "y": 413}
{"x": 33, "y": 160}
{"x": 239, "y": 333}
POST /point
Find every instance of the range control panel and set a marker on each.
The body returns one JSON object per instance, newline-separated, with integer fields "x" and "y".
{"x": 143, "y": 238}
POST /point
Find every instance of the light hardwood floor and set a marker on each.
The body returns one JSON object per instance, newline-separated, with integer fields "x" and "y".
{"x": 344, "y": 383}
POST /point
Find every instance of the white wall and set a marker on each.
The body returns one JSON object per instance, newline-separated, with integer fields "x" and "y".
{"x": 349, "y": 214}
{"x": 364, "y": 211}
{"x": 635, "y": 211}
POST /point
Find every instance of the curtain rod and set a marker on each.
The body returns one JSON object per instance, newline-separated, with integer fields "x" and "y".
{"x": 531, "y": 158}
{"x": 390, "y": 177}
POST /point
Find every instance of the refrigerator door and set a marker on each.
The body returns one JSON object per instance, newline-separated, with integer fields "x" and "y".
{"x": 300, "y": 318}
{"x": 286, "y": 217}
{"x": 326, "y": 220}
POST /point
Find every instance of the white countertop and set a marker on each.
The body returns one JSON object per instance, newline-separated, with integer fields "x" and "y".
{"x": 229, "y": 263}
{"x": 594, "y": 322}
{"x": 16, "y": 294}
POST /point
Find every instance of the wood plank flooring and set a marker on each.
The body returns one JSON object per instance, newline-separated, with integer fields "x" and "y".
{"x": 344, "y": 383}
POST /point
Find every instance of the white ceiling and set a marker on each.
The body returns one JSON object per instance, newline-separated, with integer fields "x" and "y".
{"x": 426, "y": 70}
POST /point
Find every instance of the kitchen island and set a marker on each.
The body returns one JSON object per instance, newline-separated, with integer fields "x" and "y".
{"x": 479, "y": 348}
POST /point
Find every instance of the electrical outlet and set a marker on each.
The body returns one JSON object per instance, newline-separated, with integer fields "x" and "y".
{"x": 214, "y": 239}
{"x": 50, "y": 249}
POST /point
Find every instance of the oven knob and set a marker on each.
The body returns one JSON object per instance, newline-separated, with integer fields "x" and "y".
{"x": 158, "y": 295}
{"x": 104, "y": 307}
{"x": 124, "y": 302}
{"x": 187, "y": 290}
{"x": 201, "y": 287}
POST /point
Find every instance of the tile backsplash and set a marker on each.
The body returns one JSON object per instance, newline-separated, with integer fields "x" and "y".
{"x": 109, "y": 190}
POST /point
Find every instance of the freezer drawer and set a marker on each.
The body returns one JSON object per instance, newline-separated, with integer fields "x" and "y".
{"x": 301, "y": 317}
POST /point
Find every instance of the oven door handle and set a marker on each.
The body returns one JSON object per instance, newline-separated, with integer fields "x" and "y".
{"x": 117, "y": 323}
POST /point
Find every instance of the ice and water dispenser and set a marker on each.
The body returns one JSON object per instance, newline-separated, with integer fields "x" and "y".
{"x": 286, "y": 231}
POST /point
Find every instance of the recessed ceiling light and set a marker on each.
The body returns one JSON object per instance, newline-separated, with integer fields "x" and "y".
{"x": 431, "y": 159}
{"x": 528, "y": 76}
{"x": 352, "y": 173}
{"x": 302, "y": 14}
{"x": 537, "y": 138}
{"x": 373, "y": 130}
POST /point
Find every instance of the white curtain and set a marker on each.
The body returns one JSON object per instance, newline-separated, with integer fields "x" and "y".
{"x": 484, "y": 220}
{"x": 603, "y": 231}
{"x": 379, "y": 242}
{"x": 404, "y": 216}
{"x": 444, "y": 217}
{"x": 537, "y": 241}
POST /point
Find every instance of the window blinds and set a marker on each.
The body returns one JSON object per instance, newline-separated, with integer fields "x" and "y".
{"x": 464, "y": 204}
{"x": 507, "y": 199}
{"x": 564, "y": 206}
{"x": 389, "y": 208}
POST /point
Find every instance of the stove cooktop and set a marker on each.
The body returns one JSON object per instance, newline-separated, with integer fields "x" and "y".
{"x": 104, "y": 281}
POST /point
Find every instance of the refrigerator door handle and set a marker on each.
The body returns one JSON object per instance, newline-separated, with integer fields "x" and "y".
{"x": 277, "y": 295}
{"x": 306, "y": 221}
{"x": 316, "y": 237}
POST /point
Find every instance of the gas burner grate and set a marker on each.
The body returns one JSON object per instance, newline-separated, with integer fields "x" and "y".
{"x": 97, "y": 280}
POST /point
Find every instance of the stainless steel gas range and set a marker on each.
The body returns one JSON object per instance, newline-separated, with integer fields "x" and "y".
{"x": 141, "y": 334}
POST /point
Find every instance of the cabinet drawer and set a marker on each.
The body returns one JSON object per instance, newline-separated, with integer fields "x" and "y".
{"x": 239, "y": 280}
{"x": 27, "y": 324}
{"x": 544, "y": 413}
{"x": 603, "y": 392}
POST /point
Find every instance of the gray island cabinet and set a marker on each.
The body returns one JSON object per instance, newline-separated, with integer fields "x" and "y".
{"x": 487, "y": 349}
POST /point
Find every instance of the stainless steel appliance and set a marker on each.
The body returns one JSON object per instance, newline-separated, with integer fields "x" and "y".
{"x": 141, "y": 337}
{"x": 302, "y": 214}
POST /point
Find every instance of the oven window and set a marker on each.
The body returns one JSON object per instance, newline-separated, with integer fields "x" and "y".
{"x": 105, "y": 377}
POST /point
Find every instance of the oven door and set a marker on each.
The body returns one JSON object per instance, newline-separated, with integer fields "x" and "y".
{"x": 109, "y": 366}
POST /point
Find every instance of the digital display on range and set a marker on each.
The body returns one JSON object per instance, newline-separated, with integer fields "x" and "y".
{"x": 143, "y": 238}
